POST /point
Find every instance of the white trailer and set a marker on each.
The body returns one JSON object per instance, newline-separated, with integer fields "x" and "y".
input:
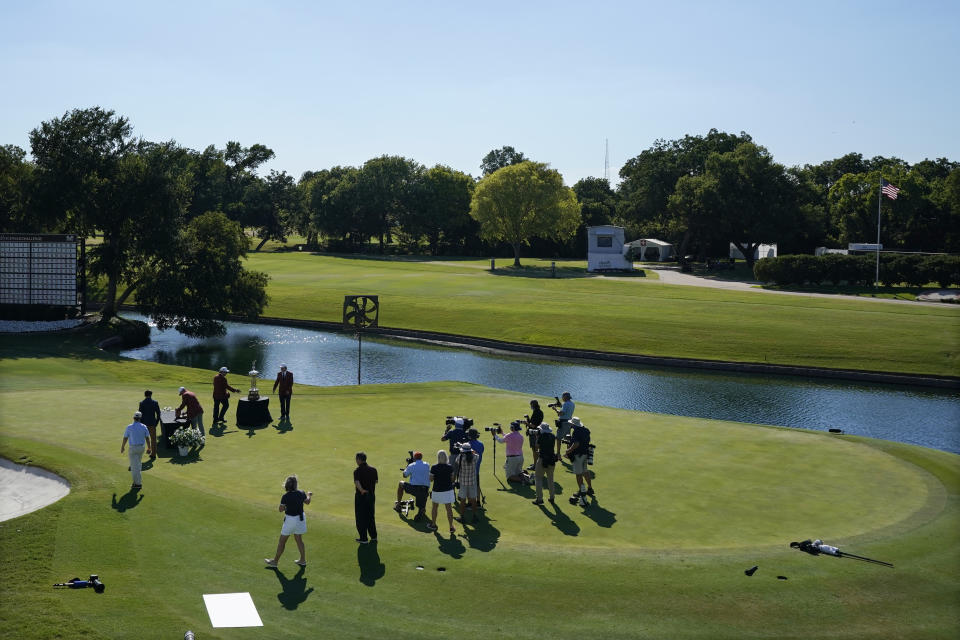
{"x": 606, "y": 250}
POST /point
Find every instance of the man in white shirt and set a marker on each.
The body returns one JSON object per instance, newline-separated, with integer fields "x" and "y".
{"x": 137, "y": 435}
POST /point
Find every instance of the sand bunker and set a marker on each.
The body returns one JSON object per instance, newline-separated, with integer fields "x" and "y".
{"x": 24, "y": 489}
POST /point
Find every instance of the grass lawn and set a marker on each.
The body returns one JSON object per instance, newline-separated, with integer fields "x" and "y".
{"x": 683, "y": 507}
{"x": 640, "y": 315}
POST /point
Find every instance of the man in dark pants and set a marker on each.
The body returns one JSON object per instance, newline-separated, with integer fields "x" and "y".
{"x": 150, "y": 410}
{"x": 285, "y": 382}
{"x": 221, "y": 395}
{"x": 364, "y": 500}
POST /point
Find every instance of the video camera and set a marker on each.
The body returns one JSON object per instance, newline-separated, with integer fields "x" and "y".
{"x": 557, "y": 404}
{"x": 531, "y": 431}
{"x": 460, "y": 421}
{"x": 496, "y": 428}
{"x": 410, "y": 457}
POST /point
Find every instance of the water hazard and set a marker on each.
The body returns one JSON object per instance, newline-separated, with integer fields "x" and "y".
{"x": 915, "y": 415}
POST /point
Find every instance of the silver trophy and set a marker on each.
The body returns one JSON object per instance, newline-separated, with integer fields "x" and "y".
{"x": 254, "y": 393}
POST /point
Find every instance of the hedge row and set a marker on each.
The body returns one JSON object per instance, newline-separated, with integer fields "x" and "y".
{"x": 910, "y": 269}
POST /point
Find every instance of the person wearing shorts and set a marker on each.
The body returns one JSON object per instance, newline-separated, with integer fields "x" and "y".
{"x": 441, "y": 475}
{"x": 579, "y": 454}
{"x": 514, "y": 463}
{"x": 465, "y": 473}
{"x": 294, "y": 522}
{"x": 419, "y": 485}
{"x": 545, "y": 463}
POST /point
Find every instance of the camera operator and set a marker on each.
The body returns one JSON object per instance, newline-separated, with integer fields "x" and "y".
{"x": 514, "y": 464}
{"x": 473, "y": 439}
{"x": 535, "y": 419}
{"x": 564, "y": 413}
{"x": 455, "y": 435}
{"x": 578, "y": 452}
{"x": 419, "y": 485}
{"x": 465, "y": 476}
{"x": 546, "y": 462}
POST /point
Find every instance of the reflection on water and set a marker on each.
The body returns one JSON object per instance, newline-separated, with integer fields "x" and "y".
{"x": 928, "y": 417}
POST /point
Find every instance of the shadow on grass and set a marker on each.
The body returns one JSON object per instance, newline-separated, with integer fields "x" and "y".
{"x": 252, "y": 431}
{"x": 129, "y": 500}
{"x": 392, "y": 258}
{"x": 294, "y": 591}
{"x": 481, "y": 534}
{"x": 190, "y": 458}
{"x": 450, "y": 546}
{"x": 537, "y": 271}
{"x": 598, "y": 514}
{"x": 371, "y": 569}
{"x": 284, "y": 426}
{"x": 521, "y": 489}
{"x": 560, "y": 520}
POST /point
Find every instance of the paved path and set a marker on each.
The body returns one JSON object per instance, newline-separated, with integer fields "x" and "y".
{"x": 24, "y": 489}
{"x": 673, "y": 275}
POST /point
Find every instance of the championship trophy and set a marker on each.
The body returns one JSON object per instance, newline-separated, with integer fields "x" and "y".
{"x": 254, "y": 393}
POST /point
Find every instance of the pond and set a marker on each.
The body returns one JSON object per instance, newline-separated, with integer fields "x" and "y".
{"x": 915, "y": 415}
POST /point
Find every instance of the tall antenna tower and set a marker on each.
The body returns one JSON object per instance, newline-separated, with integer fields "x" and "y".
{"x": 606, "y": 160}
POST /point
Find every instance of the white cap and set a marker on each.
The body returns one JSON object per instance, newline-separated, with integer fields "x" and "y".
{"x": 283, "y": 365}
{"x": 137, "y": 415}
{"x": 182, "y": 389}
{"x": 224, "y": 370}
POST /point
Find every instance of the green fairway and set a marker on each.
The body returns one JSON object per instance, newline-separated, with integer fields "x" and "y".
{"x": 683, "y": 507}
{"x": 632, "y": 315}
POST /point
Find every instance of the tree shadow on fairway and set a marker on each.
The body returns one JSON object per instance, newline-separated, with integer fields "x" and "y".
{"x": 598, "y": 514}
{"x": 561, "y": 520}
{"x": 545, "y": 271}
{"x": 481, "y": 534}
{"x": 294, "y": 589}
{"x": 371, "y": 569}
{"x": 127, "y": 501}
{"x": 450, "y": 546}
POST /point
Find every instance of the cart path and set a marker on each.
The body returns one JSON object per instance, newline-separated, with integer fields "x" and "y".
{"x": 673, "y": 275}
{"x": 24, "y": 489}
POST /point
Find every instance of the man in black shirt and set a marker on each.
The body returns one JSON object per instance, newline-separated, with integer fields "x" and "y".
{"x": 365, "y": 481}
{"x": 150, "y": 410}
{"x": 578, "y": 453}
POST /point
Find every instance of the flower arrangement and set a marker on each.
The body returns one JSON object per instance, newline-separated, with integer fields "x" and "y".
{"x": 187, "y": 437}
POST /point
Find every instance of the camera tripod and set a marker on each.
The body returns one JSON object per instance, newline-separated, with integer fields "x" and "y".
{"x": 494, "y": 434}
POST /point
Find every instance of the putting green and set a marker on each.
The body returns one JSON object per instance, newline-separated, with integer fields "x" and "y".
{"x": 683, "y": 507}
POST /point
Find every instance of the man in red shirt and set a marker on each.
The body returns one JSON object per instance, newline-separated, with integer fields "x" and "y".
{"x": 194, "y": 410}
{"x": 221, "y": 395}
{"x": 285, "y": 382}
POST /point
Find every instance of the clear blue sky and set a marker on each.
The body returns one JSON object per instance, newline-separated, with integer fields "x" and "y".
{"x": 327, "y": 83}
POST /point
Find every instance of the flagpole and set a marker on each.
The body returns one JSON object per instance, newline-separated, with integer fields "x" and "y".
{"x": 876, "y": 281}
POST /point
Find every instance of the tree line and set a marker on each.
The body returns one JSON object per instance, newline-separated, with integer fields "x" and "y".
{"x": 157, "y": 205}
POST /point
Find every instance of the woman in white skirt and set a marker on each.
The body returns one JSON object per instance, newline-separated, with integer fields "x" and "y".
{"x": 441, "y": 475}
{"x": 294, "y": 522}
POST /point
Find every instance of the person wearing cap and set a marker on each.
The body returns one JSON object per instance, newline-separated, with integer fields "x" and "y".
{"x": 514, "y": 463}
{"x": 578, "y": 453}
{"x": 564, "y": 413}
{"x": 136, "y": 434}
{"x": 419, "y": 485}
{"x": 285, "y": 382}
{"x": 194, "y": 410}
{"x": 150, "y": 410}
{"x": 465, "y": 477}
{"x": 221, "y": 395}
{"x": 545, "y": 462}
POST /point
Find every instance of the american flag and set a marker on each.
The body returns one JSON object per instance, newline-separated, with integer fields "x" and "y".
{"x": 888, "y": 189}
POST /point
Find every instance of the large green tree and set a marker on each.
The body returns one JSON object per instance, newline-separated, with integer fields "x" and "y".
{"x": 196, "y": 287}
{"x": 385, "y": 188}
{"x": 440, "y": 207}
{"x": 500, "y": 158}
{"x": 16, "y": 182}
{"x": 522, "y": 201}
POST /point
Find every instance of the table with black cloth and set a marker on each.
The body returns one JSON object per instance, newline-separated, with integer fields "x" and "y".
{"x": 253, "y": 413}
{"x": 169, "y": 422}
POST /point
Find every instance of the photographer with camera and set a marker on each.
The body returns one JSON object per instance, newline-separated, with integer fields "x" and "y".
{"x": 579, "y": 452}
{"x": 419, "y": 485}
{"x": 514, "y": 463}
{"x": 535, "y": 419}
{"x": 465, "y": 477}
{"x": 455, "y": 434}
{"x": 546, "y": 461}
{"x": 473, "y": 439}
{"x": 564, "y": 408}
